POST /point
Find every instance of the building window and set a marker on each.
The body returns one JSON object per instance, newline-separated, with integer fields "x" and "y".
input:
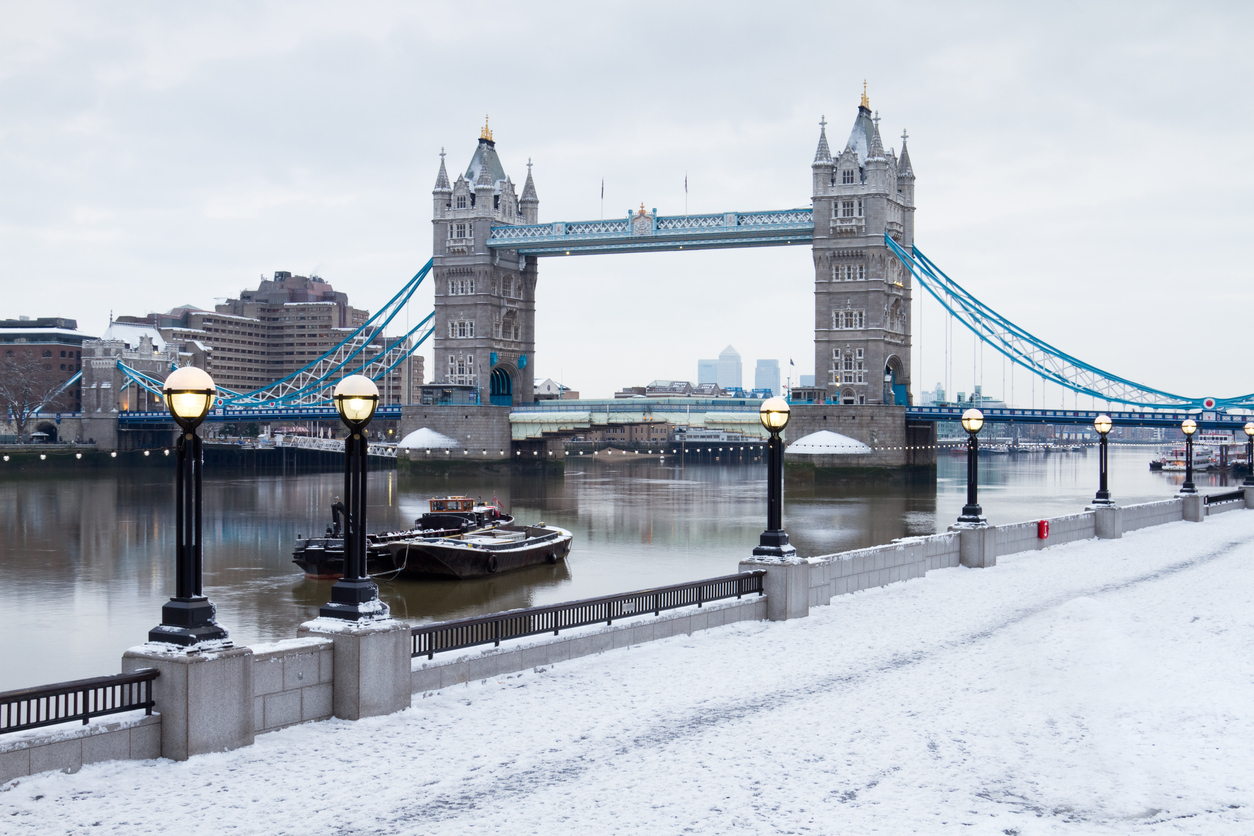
{"x": 461, "y": 201}
{"x": 846, "y": 177}
{"x": 859, "y": 208}
{"x": 846, "y": 209}
{"x": 848, "y": 319}
{"x": 861, "y": 271}
{"x": 459, "y": 230}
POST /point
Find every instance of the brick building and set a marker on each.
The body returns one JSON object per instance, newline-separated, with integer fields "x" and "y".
{"x": 56, "y": 344}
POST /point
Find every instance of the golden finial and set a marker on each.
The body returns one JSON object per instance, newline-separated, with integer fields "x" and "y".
{"x": 865, "y": 101}
{"x": 486, "y": 133}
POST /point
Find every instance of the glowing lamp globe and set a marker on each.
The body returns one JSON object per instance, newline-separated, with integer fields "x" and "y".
{"x": 1188, "y": 427}
{"x": 775, "y": 413}
{"x": 1102, "y": 424}
{"x": 189, "y": 394}
{"x": 356, "y": 397}
{"x": 973, "y": 420}
{"x": 1249, "y": 428}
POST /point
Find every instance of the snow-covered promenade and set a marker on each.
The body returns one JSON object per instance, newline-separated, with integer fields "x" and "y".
{"x": 1098, "y": 687}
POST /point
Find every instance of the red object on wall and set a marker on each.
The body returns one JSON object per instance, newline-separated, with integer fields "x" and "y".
{"x": 1042, "y": 530}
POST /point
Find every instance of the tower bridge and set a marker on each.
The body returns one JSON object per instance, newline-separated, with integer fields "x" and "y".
{"x": 487, "y": 244}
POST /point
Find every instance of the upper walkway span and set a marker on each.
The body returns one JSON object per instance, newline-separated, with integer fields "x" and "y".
{"x": 650, "y": 232}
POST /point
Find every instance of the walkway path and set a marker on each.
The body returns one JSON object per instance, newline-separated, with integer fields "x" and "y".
{"x": 1099, "y": 687}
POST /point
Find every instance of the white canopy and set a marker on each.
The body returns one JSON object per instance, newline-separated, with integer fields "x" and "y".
{"x": 828, "y": 443}
{"x": 428, "y": 439}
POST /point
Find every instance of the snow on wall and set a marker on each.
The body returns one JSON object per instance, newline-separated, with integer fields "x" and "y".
{"x": 292, "y": 683}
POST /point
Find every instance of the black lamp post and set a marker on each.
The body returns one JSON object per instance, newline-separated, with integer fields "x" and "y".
{"x": 1102, "y": 424}
{"x": 1249, "y": 454}
{"x": 972, "y": 422}
{"x": 774, "y": 413}
{"x": 355, "y": 597}
{"x": 1188, "y": 427}
{"x": 188, "y": 618}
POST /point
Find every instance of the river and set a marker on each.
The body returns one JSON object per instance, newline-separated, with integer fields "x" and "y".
{"x": 90, "y": 560}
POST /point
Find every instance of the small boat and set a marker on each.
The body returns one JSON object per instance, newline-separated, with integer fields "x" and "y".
{"x": 477, "y": 554}
{"x": 323, "y": 557}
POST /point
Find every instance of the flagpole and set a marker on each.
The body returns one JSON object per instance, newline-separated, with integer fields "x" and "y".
{"x": 685, "y": 194}
{"x": 602, "y": 198}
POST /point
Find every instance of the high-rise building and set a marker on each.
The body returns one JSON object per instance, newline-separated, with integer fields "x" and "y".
{"x": 485, "y": 300}
{"x": 269, "y": 333}
{"x": 766, "y": 376}
{"x": 862, "y": 291}
{"x": 707, "y": 371}
{"x": 730, "y": 374}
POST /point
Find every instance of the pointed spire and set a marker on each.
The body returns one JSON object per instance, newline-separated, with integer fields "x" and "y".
{"x": 877, "y": 144}
{"x": 485, "y": 176}
{"x": 441, "y": 180}
{"x": 865, "y": 101}
{"x": 903, "y": 164}
{"x": 824, "y": 154}
{"x": 529, "y": 188}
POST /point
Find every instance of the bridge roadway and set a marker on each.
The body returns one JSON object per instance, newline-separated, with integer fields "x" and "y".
{"x": 739, "y": 414}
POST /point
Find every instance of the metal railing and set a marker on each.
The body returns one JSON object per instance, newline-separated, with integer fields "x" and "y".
{"x": 82, "y": 699}
{"x": 1220, "y": 498}
{"x": 431, "y": 639}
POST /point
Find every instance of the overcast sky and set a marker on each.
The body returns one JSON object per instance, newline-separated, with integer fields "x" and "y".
{"x": 1083, "y": 168}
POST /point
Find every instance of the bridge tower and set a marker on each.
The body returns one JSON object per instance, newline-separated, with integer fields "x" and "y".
{"x": 861, "y": 291}
{"x": 484, "y": 299}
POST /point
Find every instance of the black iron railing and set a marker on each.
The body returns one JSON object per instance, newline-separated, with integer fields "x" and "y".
{"x": 82, "y": 699}
{"x": 430, "y": 639}
{"x": 1231, "y": 496}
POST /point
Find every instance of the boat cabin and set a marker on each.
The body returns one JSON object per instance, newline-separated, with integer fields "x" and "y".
{"x": 445, "y": 504}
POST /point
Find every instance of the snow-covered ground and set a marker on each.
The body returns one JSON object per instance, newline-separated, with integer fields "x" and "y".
{"x": 1098, "y": 687}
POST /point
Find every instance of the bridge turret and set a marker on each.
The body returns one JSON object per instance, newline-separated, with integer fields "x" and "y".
{"x": 530, "y": 202}
{"x": 823, "y": 165}
{"x": 442, "y": 194}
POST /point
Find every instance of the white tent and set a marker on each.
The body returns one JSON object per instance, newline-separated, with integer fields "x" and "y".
{"x": 828, "y": 443}
{"x": 427, "y": 439}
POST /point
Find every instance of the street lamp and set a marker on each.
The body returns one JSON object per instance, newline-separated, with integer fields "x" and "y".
{"x": 1188, "y": 427}
{"x": 774, "y": 414}
{"x": 972, "y": 422}
{"x": 1102, "y": 424}
{"x": 188, "y": 618}
{"x": 355, "y": 597}
{"x": 1249, "y": 454}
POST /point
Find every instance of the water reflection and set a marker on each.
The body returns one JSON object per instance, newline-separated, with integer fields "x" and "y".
{"x": 90, "y": 560}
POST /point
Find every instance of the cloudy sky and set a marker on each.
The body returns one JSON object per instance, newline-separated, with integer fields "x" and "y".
{"x": 1083, "y": 168}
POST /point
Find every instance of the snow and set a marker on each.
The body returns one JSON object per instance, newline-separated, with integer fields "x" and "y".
{"x": 1098, "y": 687}
{"x": 429, "y": 439}
{"x": 828, "y": 443}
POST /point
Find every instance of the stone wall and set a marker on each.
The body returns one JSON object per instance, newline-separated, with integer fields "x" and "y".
{"x": 482, "y": 430}
{"x": 292, "y": 683}
{"x": 1022, "y": 537}
{"x": 67, "y": 747}
{"x": 912, "y": 557}
{"x": 1152, "y": 513}
{"x": 880, "y": 427}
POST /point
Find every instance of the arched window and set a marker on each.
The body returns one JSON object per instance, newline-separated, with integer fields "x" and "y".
{"x": 47, "y": 353}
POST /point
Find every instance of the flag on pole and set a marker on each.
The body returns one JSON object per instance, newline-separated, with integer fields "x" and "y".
{"x": 685, "y": 182}
{"x": 603, "y": 189}
{"x": 790, "y": 362}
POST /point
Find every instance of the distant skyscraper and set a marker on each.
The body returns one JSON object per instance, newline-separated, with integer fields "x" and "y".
{"x": 707, "y": 371}
{"x": 807, "y": 380}
{"x": 730, "y": 375}
{"x": 766, "y": 376}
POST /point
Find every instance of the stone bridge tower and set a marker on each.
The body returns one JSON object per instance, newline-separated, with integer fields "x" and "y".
{"x": 484, "y": 299}
{"x": 861, "y": 290}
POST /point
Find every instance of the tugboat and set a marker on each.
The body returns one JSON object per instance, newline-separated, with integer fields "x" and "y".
{"x": 322, "y": 558}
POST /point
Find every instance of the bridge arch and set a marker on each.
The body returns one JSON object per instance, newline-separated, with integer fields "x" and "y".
{"x": 895, "y": 386}
{"x": 501, "y": 385}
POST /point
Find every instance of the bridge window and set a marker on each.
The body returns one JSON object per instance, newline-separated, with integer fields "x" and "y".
{"x": 461, "y": 201}
{"x": 848, "y": 319}
{"x": 846, "y": 209}
{"x": 459, "y": 230}
{"x": 846, "y": 177}
{"x": 859, "y": 208}
{"x": 861, "y": 271}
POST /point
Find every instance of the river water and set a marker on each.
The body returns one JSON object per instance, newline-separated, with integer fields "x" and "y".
{"x": 90, "y": 560}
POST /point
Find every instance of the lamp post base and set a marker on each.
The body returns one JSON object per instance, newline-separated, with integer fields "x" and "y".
{"x": 1102, "y": 499}
{"x": 774, "y": 544}
{"x": 1188, "y": 489}
{"x": 187, "y": 622}
{"x": 354, "y": 601}
{"x": 972, "y": 514}
{"x": 1249, "y": 481}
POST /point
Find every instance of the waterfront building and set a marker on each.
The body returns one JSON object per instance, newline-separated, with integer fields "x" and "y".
{"x": 862, "y": 291}
{"x": 766, "y": 377}
{"x": 730, "y": 374}
{"x": 55, "y": 346}
{"x": 484, "y": 301}
{"x": 268, "y": 334}
{"x": 551, "y": 390}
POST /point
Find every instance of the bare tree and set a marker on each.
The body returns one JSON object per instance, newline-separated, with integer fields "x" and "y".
{"x": 27, "y": 385}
